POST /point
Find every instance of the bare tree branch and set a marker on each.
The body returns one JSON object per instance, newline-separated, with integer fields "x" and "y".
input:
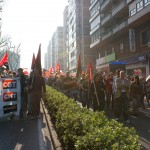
{"x": 13, "y": 51}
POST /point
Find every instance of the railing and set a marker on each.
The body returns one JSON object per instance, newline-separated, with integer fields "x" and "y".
{"x": 119, "y": 7}
{"x": 108, "y": 34}
{"x": 95, "y": 43}
{"x": 104, "y": 4}
{"x": 120, "y": 26}
{"x": 106, "y": 19}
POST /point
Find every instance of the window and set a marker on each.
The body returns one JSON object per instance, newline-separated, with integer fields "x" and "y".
{"x": 145, "y": 37}
{"x": 132, "y": 12}
{"x": 139, "y": 5}
{"x": 146, "y": 2}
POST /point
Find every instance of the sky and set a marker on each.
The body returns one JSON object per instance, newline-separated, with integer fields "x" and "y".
{"x": 31, "y": 22}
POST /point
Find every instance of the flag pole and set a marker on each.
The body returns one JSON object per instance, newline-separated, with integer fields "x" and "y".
{"x": 95, "y": 92}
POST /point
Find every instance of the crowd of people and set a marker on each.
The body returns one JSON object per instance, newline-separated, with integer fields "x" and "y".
{"x": 105, "y": 92}
{"x": 101, "y": 93}
{"x": 31, "y": 89}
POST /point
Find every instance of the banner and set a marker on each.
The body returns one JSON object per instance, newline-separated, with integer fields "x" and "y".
{"x": 9, "y": 96}
{"x": 132, "y": 40}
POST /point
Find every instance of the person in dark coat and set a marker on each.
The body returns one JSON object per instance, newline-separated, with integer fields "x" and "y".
{"x": 97, "y": 92}
{"x": 37, "y": 88}
{"x": 23, "y": 86}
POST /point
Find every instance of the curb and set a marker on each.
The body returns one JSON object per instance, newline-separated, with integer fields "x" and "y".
{"x": 142, "y": 112}
{"x": 56, "y": 143}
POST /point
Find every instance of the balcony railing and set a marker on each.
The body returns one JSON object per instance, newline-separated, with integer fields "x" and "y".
{"x": 95, "y": 43}
{"x": 120, "y": 26}
{"x": 108, "y": 34}
{"x": 106, "y": 19}
{"x": 119, "y": 7}
{"x": 104, "y": 4}
{"x": 93, "y": 17}
{"x": 93, "y": 4}
{"x": 95, "y": 29}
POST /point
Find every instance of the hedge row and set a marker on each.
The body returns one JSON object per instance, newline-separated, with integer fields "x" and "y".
{"x": 81, "y": 129}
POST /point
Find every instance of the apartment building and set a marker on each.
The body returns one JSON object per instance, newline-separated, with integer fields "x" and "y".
{"x": 138, "y": 59}
{"x": 109, "y": 31}
{"x": 45, "y": 61}
{"x": 57, "y": 47}
{"x": 66, "y": 41}
{"x": 115, "y": 33}
{"x": 78, "y": 34}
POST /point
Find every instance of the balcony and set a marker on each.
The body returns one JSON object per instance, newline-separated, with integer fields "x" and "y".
{"x": 140, "y": 17}
{"x": 105, "y": 4}
{"x": 105, "y": 36}
{"x": 119, "y": 7}
{"x": 108, "y": 17}
{"x": 95, "y": 43}
{"x": 95, "y": 29}
{"x": 93, "y": 4}
{"x": 120, "y": 27}
{"x": 93, "y": 17}
{"x": 129, "y": 1}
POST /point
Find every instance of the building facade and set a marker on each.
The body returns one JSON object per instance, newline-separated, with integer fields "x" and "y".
{"x": 78, "y": 34}
{"x": 116, "y": 34}
{"x": 65, "y": 40}
{"x": 56, "y": 48}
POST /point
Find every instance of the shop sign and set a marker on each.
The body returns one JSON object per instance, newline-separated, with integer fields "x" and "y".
{"x": 142, "y": 58}
{"x": 110, "y": 57}
{"x": 100, "y": 61}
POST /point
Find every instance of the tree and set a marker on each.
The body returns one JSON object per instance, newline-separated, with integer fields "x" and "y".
{"x": 13, "y": 52}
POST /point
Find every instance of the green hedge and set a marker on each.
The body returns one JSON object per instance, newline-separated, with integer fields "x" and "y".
{"x": 81, "y": 129}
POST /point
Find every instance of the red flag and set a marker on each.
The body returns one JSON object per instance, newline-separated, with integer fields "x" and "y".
{"x": 38, "y": 61}
{"x": 57, "y": 67}
{"x": 4, "y": 59}
{"x": 89, "y": 71}
{"x": 51, "y": 70}
{"x": 79, "y": 69}
{"x": 33, "y": 62}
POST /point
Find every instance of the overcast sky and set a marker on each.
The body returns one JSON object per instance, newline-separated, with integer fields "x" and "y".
{"x": 31, "y": 22}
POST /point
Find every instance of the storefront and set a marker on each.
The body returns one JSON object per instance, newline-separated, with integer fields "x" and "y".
{"x": 102, "y": 64}
{"x": 137, "y": 64}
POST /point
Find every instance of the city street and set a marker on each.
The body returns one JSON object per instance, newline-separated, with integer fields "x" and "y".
{"x": 26, "y": 134}
{"x": 141, "y": 124}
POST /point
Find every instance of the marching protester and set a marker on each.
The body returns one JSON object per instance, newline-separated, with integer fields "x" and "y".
{"x": 135, "y": 93}
{"x": 69, "y": 83}
{"x": 23, "y": 85}
{"x": 144, "y": 94}
{"x": 109, "y": 91}
{"x": 84, "y": 91}
{"x": 81, "y": 89}
{"x": 97, "y": 89}
{"x": 36, "y": 87}
{"x": 148, "y": 91}
{"x": 122, "y": 95}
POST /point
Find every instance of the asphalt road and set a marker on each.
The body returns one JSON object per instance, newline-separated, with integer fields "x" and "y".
{"x": 141, "y": 125}
{"x": 26, "y": 134}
